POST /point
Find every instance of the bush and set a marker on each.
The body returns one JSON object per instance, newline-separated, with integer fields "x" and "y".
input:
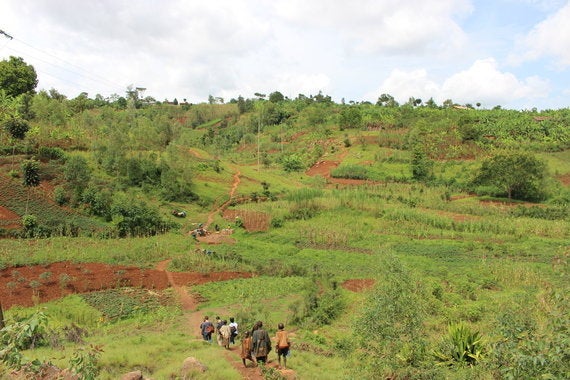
{"x": 461, "y": 346}
{"x": 48, "y": 153}
{"x": 292, "y": 163}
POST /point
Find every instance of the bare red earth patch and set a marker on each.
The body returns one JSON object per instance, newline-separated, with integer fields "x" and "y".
{"x": 564, "y": 179}
{"x": 9, "y": 219}
{"x": 358, "y": 285}
{"x": 28, "y": 285}
{"x": 323, "y": 168}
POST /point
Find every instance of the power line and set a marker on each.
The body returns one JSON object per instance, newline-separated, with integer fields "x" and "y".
{"x": 65, "y": 66}
{"x": 6, "y": 34}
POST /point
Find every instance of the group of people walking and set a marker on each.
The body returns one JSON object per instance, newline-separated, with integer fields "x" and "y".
{"x": 224, "y": 332}
{"x": 255, "y": 344}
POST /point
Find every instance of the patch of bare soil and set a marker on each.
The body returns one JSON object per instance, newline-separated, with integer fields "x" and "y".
{"x": 217, "y": 238}
{"x": 28, "y": 285}
{"x": 358, "y": 285}
{"x": 456, "y": 216}
{"x": 9, "y": 219}
{"x": 564, "y": 179}
{"x": 323, "y": 168}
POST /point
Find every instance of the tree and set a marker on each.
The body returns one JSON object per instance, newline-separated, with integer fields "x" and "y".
{"x": 17, "y": 128}
{"x": 387, "y": 100}
{"x": 518, "y": 175}
{"x": 276, "y": 97}
{"x": 422, "y": 166}
{"x": 431, "y": 103}
{"x": 350, "y": 117}
{"x": 31, "y": 174}
{"x": 77, "y": 173}
{"x": 17, "y": 77}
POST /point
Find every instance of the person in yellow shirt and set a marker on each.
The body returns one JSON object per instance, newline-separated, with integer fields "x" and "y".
{"x": 282, "y": 345}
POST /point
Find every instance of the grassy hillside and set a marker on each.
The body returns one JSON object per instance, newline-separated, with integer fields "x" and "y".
{"x": 366, "y": 235}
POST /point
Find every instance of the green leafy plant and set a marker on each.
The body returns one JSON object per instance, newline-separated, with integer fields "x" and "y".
{"x": 24, "y": 333}
{"x": 84, "y": 362}
{"x": 461, "y": 346}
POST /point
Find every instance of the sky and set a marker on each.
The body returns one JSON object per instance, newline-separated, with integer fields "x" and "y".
{"x": 512, "y": 53}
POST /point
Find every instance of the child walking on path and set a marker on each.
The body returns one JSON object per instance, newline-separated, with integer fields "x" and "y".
{"x": 246, "y": 347}
{"x": 282, "y": 345}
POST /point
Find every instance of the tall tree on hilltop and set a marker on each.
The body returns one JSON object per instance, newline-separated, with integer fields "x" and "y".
{"x": 17, "y": 77}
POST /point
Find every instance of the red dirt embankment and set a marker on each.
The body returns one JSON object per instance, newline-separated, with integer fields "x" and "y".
{"x": 27, "y": 285}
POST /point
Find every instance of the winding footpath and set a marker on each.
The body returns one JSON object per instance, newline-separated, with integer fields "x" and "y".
{"x": 189, "y": 303}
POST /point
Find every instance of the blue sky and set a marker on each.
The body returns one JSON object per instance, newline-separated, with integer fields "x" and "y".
{"x": 513, "y": 53}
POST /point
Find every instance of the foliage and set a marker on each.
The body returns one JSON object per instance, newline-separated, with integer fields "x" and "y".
{"x": 529, "y": 350}
{"x": 17, "y": 128}
{"x": 77, "y": 174}
{"x": 22, "y": 334}
{"x": 460, "y": 346}
{"x": 51, "y": 153}
{"x": 350, "y": 117}
{"x": 84, "y": 362}
{"x": 321, "y": 305}
{"x": 389, "y": 325}
{"x": 31, "y": 173}
{"x": 292, "y": 163}
{"x": 350, "y": 171}
{"x": 176, "y": 179}
{"x": 517, "y": 175}
{"x": 17, "y": 77}
{"x": 422, "y": 166}
{"x": 123, "y": 303}
{"x": 132, "y": 217}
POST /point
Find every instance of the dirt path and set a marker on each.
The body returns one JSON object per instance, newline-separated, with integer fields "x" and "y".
{"x": 223, "y": 206}
{"x": 194, "y": 318}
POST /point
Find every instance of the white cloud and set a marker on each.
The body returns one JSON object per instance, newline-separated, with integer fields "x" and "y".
{"x": 551, "y": 37}
{"x": 388, "y": 26}
{"x": 482, "y": 82}
{"x": 191, "y": 49}
{"x": 404, "y": 84}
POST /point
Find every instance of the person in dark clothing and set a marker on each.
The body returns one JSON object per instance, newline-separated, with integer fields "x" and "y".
{"x": 261, "y": 343}
{"x": 207, "y": 328}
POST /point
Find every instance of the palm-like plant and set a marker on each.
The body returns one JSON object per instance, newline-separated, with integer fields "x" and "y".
{"x": 461, "y": 346}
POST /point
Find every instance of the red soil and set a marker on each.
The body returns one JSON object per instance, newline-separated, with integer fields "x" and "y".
{"x": 358, "y": 285}
{"x": 564, "y": 179}
{"x": 9, "y": 219}
{"x": 17, "y": 283}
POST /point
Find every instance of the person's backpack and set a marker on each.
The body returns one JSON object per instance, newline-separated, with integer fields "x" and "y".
{"x": 210, "y": 329}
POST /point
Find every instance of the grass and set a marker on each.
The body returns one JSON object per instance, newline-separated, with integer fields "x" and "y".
{"x": 471, "y": 260}
{"x": 143, "y": 252}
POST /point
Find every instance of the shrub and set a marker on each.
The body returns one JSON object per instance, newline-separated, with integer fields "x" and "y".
{"x": 49, "y": 153}
{"x": 292, "y": 163}
{"x": 388, "y": 330}
{"x": 461, "y": 346}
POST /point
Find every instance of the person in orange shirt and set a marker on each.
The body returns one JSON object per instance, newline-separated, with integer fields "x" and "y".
{"x": 282, "y": 345}
{"x": 246, "y": 347}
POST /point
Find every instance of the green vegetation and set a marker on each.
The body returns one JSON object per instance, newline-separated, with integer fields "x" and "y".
{"x": 459, "y": 227}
